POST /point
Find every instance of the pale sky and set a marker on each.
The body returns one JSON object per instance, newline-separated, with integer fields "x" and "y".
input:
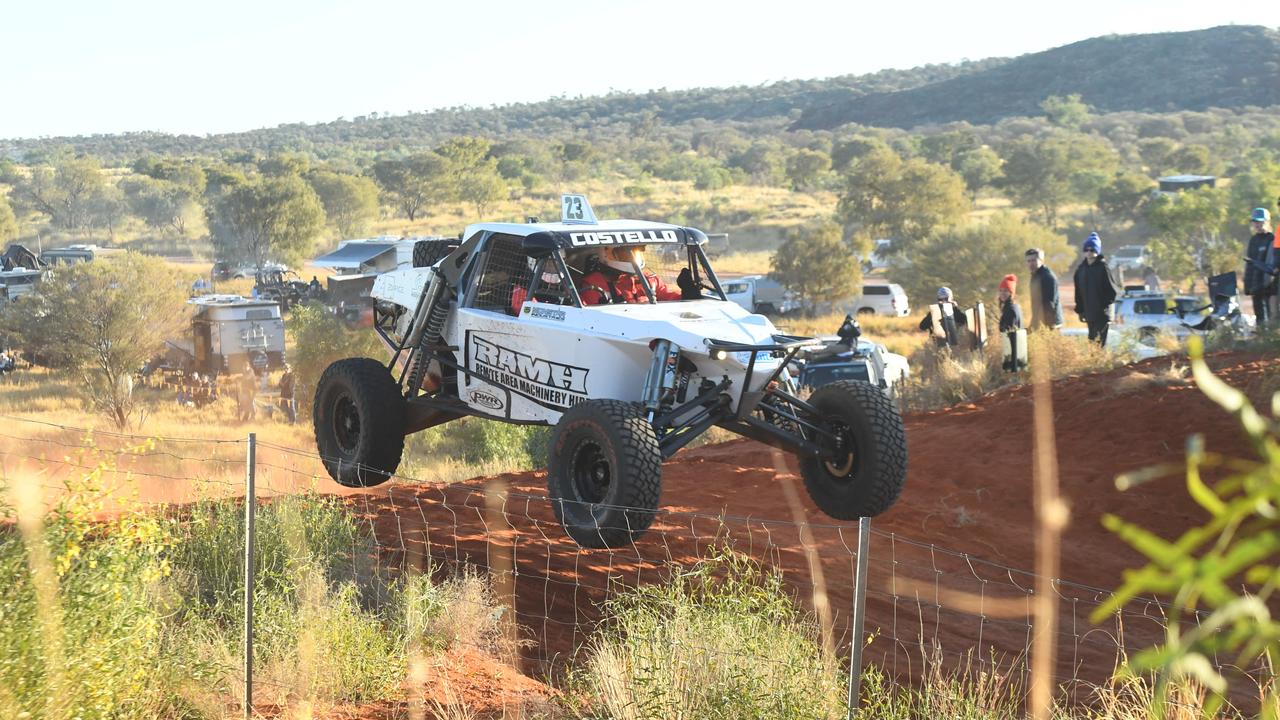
{"x": 106, "y": 66}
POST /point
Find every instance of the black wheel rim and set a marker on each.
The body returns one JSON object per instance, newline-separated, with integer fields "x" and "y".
{"x": 592, "y": 472}
{"x": 843, "y": 455}
{"x": 346, "y": 424}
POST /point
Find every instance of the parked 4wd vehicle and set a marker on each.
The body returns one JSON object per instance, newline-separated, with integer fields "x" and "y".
{"x": 1129, "y": 258}
{"x": 867, "y": 362}
{"x": 1146, "y": 315}
{"x": 497, "y": 329}
{"x": 761, "y": 294}
{"x": 888, "y": 300}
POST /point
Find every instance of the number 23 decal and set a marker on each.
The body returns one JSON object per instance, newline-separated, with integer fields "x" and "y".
{"x": 573, "y": 208}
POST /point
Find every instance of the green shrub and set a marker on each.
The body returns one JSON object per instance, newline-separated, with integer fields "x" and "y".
{"x": 722, "y": 639}
{"x": 494, "y": 446}
{"x": 317, "y": 339}
{"x": 319, "y": 632}
{"x": 98, "y": 650}
{"x": 290, "y": 533}
{"x": 959, "y": 692}
{"x": 142, "y": 616}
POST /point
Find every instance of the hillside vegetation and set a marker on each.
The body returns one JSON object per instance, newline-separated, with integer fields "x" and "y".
{"x": 1222, "y": 67}
{"x": 1233, "y": 67}
{"x": 1073, "y": 142}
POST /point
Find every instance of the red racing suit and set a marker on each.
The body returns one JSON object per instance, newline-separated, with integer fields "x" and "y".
{"x": 598, "y": 288}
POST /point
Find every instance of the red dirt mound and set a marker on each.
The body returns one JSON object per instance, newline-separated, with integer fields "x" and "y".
{"x": 940, "y": 559}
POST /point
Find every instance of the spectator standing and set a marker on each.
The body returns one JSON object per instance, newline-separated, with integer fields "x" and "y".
{"x": 1260, "y": 259}
{"x": 849, "y": 331}
{"x": 247, "y": 394}
{"x": 1010, "y": 318}
{"x": 1010, "y": 311}
{"x": 288, "y": 404}
{"x": 1096, "y": 289}
{"x": 946, "y": 332}
{"x": 1150, "y": 279}
{"x": 1046, "y": 308}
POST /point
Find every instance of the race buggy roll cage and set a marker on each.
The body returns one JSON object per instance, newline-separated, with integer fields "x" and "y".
{"x": 773, "y": 415}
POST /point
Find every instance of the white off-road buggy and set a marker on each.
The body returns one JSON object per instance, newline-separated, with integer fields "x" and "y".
{"x": 496, "y": 328}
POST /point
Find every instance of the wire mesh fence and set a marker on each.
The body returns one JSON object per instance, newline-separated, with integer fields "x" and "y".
{"x": 925, "y": 605}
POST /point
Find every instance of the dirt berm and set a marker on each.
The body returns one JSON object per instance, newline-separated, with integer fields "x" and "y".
{"x": 944, "y": 561}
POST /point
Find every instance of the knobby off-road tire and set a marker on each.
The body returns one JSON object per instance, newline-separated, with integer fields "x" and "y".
{"x": 427, "y": 252}
{"x": 871, "y": 469}
{"x": 359, "y": 418}
{"x": 604, "y": 473}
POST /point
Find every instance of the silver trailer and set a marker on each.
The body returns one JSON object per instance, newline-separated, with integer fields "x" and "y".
{"x": 229, "y": 332}
{"x": 16, "y": 283}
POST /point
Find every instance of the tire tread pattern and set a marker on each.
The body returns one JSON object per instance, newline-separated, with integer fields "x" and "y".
{"x": 427, "y": 252}
{"x": 639, "y": 476}
{"x": 888, "y": 472}
{"x": 382, "y": 411}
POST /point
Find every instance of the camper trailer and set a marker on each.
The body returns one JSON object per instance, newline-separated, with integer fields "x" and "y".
{"x": 16, "y": 283}
{"x": 69, "y": 255}
{"x": 229, "y": 332}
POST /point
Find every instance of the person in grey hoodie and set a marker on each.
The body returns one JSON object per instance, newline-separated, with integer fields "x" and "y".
{"x": 1097, "y": 287}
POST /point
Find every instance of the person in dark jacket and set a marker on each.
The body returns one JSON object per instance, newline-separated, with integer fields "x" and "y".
{"x": 288, "y": 400}
{"x": 1260, "y": 256}
{"x": 1010, "y": 311}
{"x": 1046, "y": 308}
{"x": 1096, "y": 289}
{"x": 948, "y": 332}
{"x": 1010, "y": 318}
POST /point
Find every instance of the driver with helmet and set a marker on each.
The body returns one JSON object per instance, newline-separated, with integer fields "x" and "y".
{"x": 611, "y": 278}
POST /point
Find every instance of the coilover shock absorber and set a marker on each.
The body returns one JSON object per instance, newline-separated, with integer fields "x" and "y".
{"x": 427, "y": 332}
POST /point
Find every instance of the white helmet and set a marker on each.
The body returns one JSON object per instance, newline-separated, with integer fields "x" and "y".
{"x": 620, "y": 257}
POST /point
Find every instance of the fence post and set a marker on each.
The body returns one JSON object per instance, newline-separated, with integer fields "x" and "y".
{"x": 250, "y": 506}
{"x": 859, "y": 616}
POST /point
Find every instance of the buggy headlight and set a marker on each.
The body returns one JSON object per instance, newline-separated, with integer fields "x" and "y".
{"x": 719, "y": 354}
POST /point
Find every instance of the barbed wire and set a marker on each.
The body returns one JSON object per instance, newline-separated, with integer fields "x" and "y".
{"x": 115, "y": 434}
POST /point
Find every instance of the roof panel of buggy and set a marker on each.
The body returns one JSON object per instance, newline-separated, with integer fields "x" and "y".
{"x": 541, "y": 238}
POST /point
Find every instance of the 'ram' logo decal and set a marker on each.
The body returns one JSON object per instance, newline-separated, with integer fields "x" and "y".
{"x": 545, "y": 381}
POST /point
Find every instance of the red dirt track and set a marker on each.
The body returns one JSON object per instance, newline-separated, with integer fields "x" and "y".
{"x": 939, "y": 560}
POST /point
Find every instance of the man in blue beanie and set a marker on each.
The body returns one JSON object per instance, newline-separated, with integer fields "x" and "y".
{"x": 1096, "y": 289}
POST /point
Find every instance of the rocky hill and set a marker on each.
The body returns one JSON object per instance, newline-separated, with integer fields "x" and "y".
{"x": 1223, "y": 67}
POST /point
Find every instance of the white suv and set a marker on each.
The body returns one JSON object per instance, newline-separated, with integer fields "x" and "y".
{"x": 889, "y": 300}
{"x": 1129, "y": 257}
{"x": 1148, "y": 313}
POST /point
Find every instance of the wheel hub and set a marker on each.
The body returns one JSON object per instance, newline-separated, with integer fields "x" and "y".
{"x": 346, "y": 424}
{"x": 592, "y": 473}
{"x": 843, "y": 453}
